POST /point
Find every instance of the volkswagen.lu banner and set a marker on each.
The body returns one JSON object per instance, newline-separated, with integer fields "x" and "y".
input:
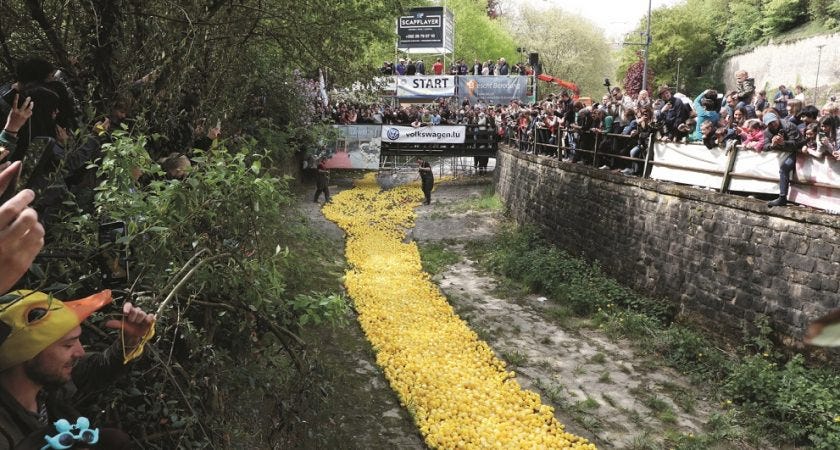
{"x": 440, "y": 134}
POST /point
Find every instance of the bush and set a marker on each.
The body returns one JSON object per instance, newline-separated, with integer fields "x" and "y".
{"x": 242, "y": 273}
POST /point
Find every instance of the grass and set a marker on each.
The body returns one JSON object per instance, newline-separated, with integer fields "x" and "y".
{"x": 777, "y": 398}
{"x": 515, "y": 358}
{"x": 598, "y": 358}
{"x": 486, "y": 201}
{"x": 605, "y": 377}
{"x": 553, "y": 392}
{"x": 436, "y": 257}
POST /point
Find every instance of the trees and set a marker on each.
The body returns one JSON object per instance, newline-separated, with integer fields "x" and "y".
{"x": 570, "y": 46}
{"x": 207, "y": 48}
{"x": 635, "y": 77}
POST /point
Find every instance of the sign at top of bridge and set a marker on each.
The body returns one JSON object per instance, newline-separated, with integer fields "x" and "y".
{"x": 426, "y": 30}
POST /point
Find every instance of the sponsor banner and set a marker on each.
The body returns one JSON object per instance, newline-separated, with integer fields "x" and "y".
{"x": 424, "y": 135}
{"x": 357, "y": 147}
{"x": 492, "y": 89}
{"x": 425, "y": 86}
{"x": 426, "y": 28}
{"x": 825, "y": 171}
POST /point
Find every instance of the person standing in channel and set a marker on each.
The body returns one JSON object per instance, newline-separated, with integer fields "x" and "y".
{"x": 323, "y": 180}
{"x": 427, "y": 179}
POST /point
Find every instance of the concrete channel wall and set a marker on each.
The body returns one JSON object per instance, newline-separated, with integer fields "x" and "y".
{"x": 722, "y": 258}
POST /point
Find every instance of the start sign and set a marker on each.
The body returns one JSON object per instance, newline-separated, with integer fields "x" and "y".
{"x": 425, "y": 86}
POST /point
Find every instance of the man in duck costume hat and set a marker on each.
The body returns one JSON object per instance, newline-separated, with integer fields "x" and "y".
{"x": 43, "y": 363}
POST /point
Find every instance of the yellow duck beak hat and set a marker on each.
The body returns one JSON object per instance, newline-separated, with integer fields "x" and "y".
{"x": 31, "y": 321}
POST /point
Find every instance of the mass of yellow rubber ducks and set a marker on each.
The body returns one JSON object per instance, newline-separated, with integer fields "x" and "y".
{"x": 457, "y": 390}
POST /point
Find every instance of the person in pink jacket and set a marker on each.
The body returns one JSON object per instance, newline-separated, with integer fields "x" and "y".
{"x": 752, "y": 135}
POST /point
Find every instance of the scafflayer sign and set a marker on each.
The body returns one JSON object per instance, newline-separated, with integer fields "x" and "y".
{"x": 426, "y": 30}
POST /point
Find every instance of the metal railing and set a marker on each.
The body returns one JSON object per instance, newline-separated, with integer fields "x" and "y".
{"x": 615, "y": 147}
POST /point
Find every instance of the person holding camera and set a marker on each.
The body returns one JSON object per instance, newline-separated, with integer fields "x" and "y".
{"x": 782, "y": 135}
{"x": 21, "y": 235}
{"x": 707, "y": 106}
{"x": 673, "y": 113}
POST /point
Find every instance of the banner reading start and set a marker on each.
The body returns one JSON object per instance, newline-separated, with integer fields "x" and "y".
{"x": 425, "y": 86}
{"x": 423, "y": 135}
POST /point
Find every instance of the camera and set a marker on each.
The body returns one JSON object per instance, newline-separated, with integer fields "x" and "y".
{"x": 113, "y": 254}
{"x": 607, "y": 82}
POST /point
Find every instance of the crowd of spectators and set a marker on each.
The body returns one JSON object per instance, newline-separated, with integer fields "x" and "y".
{"x": 411, "y": 67}
{"x": 621, "y": 126}
{"x": 57, "y": 144}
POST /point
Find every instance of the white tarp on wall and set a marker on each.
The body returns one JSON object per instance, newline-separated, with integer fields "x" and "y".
{"x": 688, "y": 155}
{"x": 825, "y": 170}
{"x": 697, "y": 156}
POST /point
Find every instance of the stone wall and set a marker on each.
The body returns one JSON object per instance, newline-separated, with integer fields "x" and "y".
{"x": 723, "y": 258}
{"x": 791, "y": 64}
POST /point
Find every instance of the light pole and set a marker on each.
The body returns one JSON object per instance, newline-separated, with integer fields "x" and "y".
{"x": 817, "y": 81}
{"x": 647, "y": 49}
{"x": 679, "y": 60}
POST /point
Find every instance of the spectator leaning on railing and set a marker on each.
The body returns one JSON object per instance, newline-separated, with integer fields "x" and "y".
{"x": 783, "y": 136}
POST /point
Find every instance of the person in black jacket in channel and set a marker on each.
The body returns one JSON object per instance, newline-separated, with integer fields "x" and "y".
{"x": 427, "y": 179}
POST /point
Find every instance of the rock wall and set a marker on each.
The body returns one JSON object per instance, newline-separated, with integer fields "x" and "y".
{"x": 722, "y": 258}
{"x": 791, "y": 64}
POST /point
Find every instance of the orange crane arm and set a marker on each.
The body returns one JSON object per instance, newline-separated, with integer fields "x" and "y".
{"x": 562, "y": 83}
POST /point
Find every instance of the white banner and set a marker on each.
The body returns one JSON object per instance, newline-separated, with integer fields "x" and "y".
{"x": 825, "y": 170}
{"x": 425, "y": 86}
{"x": 424, "y": 135}
{"x": 696, "y": 156}
{"x": 692, "y": 156}
{"x": 754, "y": 164}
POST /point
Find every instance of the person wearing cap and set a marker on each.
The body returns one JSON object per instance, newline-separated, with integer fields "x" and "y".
{"x": 782, "y": 135}
{"x": 43, "y": 363}
{"x": 673, "y": 112}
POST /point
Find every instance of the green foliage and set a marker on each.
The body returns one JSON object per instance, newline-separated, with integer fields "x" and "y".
{"x": 744, "y": 25}
{"x": 686, "y": 30}
{"x": 577, "y": 51}
{"x": 243, "y": 271}
{"x": 781, "y": 15}
{"x": 701, "y": 32}
{"x": 216, "y": 53}
{"x": 320, "y": 308}
{"x": 477, "y": 36}
{"x": 788, "y": 401}
{"x": 436, "y": 257}
{"x": 831, "y": 15}
{"x": 799, "y": 402}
